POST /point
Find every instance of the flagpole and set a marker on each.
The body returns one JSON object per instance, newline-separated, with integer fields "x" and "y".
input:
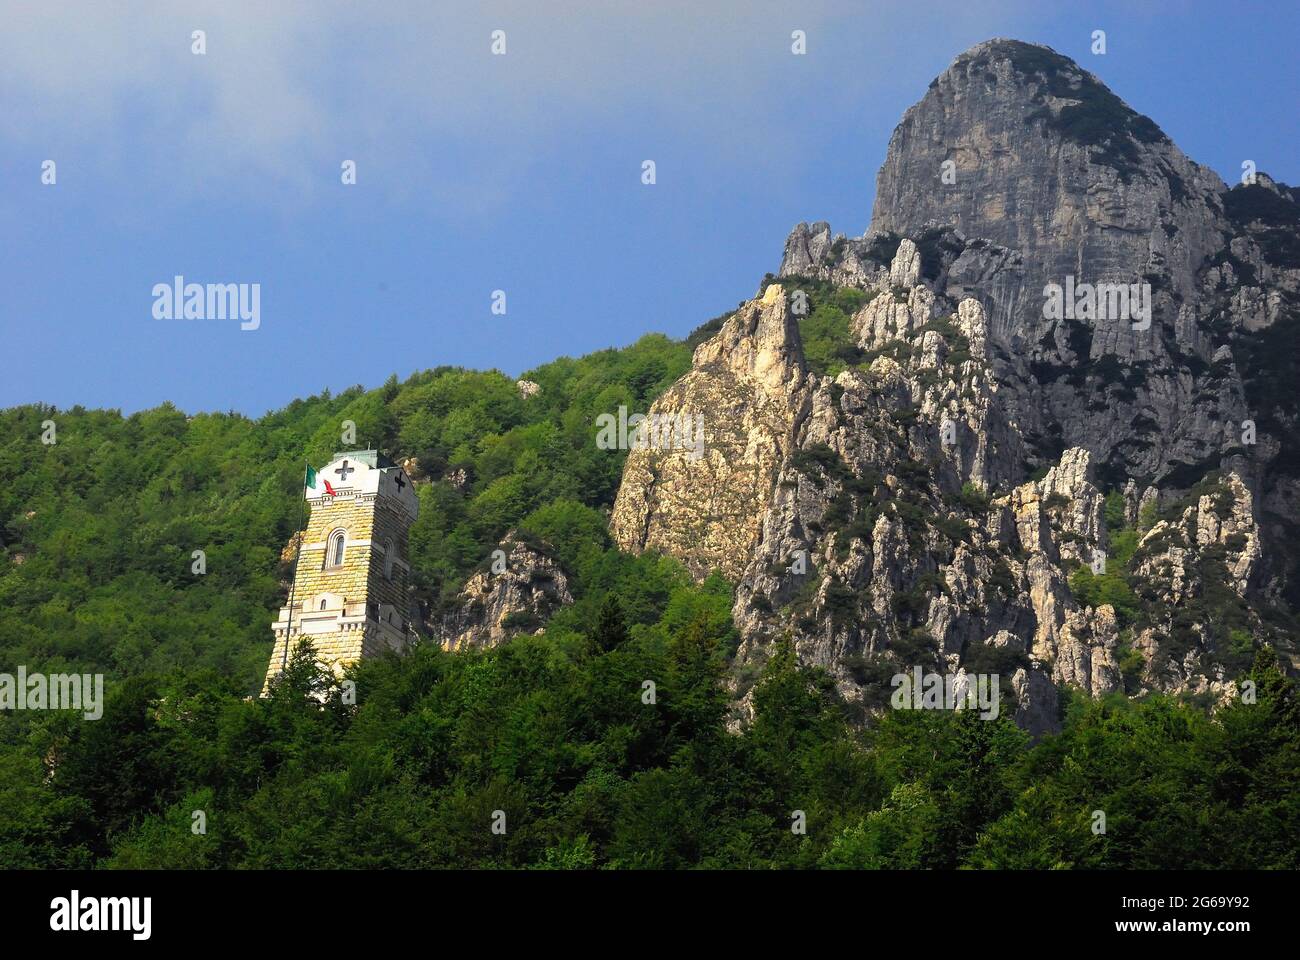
{"x": 293, "y": 585}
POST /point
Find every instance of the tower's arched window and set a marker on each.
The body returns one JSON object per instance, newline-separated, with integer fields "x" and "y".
{"x": 388, "y": 559}
{"x": 334, "y": 555}
{"x": 322, "y": 604}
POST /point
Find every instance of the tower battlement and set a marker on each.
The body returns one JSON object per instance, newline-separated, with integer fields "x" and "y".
{"x": 351, "y": 590}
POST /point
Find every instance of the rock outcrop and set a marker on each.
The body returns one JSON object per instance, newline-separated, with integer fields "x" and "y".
{"x": 865, "y": 528}
{"x": 1197, "y": 569}
{"x": 516, "y": 592}
{"x": 703, "y": 502}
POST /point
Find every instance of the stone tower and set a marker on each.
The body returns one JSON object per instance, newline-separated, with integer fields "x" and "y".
{"x": 350, "y": 594}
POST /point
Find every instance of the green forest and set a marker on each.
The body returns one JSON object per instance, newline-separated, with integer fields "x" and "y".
{"x": 544, "y": 752}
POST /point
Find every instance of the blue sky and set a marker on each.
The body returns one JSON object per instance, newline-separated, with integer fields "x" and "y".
{"x": 478, "y": 172}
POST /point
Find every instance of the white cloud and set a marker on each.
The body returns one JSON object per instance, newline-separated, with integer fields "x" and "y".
{"x": 289, "y": 89}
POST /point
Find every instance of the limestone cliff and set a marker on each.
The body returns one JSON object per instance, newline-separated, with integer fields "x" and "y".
{"x": 940, "y": 500}
{"x": 748, "y": 384}
{"x": 865, "y": 527}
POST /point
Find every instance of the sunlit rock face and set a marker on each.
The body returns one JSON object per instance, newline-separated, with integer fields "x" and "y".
{"x": 704, "y": 503}
{"x": 930, "y": 503}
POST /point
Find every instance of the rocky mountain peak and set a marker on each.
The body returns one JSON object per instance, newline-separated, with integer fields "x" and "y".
{"x": 932, "y": 487}
{"x": 1017, "y": 144}
{"x": 1019, "y": 173}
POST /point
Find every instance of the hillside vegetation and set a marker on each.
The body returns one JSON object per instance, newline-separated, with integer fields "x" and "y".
{"x": 556, "y": 732}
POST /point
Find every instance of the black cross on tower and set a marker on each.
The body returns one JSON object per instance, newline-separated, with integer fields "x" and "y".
{"x": 343, "y": 472}
{"x": 399, "y": 481}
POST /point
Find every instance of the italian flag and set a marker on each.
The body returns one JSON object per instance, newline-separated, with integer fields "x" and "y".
{"x": 313, "y": 479}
